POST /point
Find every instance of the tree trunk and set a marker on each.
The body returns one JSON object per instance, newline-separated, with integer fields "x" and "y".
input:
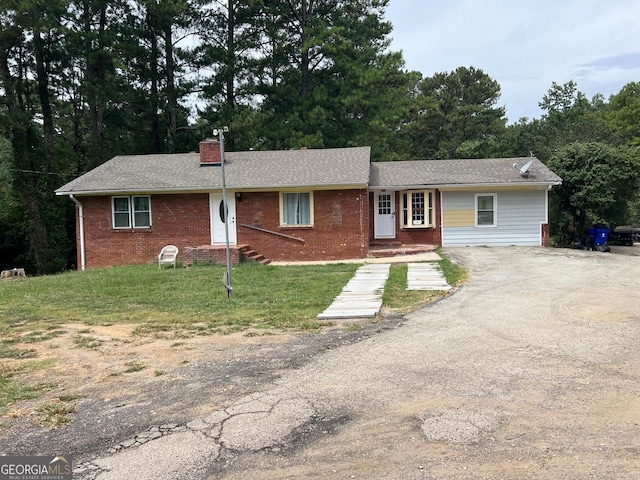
{"x": 156, "y": 138}
{"x": 94, "y": 79}
{"x": 305, "y": 74}
{"x": 43, "y": 95}
{"x": 22, "y": 139}
{"x": 172, "y": 100}
{"x": 231, "y": 60}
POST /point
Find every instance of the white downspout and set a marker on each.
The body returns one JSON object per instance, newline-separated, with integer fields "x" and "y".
{"x": 81, "y": 216}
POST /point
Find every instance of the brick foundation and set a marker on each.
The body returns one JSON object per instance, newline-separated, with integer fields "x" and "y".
{"x": 211, "y": 254}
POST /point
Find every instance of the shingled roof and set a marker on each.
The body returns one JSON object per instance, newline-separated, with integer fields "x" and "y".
{"x": 318, "y": 168}
{"x": 253, "y": 170}
{"x": 457, "y": 173}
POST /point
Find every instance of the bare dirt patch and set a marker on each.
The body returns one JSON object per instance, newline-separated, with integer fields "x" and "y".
{"x": 111, "y": 362}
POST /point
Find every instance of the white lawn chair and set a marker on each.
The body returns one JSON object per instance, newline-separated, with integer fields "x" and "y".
{"x": 168, "y": 256}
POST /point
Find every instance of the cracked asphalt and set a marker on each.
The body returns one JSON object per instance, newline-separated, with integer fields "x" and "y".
{"x": 528, "y": 371}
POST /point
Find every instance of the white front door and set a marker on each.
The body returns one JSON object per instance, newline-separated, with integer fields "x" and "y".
{"x": 219, "y": 217}
{"x": 384, "y": 218}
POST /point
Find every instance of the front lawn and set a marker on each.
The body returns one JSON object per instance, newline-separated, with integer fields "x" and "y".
{"x": 41, "y": 312}
{"x": 182, "y": 302}
{"x": 177, "y": 302}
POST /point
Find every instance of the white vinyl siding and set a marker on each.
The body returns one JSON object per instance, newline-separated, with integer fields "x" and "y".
{"x": 518, "y": 215}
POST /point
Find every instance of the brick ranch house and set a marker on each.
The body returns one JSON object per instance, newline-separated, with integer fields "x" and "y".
{"x": 311, "y": 204}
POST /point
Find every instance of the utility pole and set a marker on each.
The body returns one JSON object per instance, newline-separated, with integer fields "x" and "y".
{"x": 226, "y": 280}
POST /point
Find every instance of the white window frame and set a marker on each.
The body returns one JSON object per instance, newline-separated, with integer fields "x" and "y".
{"x": 311, "y": 210}
{"x": 477, "y": 210}
{"x": 130, "y": 212}
{"x": 406, "y": 207}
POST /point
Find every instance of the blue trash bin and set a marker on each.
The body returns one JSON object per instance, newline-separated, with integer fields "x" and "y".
{"x": 599, "y": 235}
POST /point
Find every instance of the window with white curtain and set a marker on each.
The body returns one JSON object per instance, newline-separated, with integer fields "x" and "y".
{"x": 296, "y": 209}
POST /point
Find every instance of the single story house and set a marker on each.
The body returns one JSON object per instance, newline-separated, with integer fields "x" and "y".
{"x": 308, "y": 204}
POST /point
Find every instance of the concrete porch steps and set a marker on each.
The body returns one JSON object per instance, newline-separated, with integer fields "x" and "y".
{"x": 249, "y": 254}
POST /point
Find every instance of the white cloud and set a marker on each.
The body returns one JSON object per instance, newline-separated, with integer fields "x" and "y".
{"x": 524, "y": 45}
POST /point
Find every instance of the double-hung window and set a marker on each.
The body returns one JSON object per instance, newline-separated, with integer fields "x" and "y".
{"x": 131, "y": 211}
{"x": 296, "y": 209}
{"x": 486, "y": 204}
{"x": 417, "y": 209}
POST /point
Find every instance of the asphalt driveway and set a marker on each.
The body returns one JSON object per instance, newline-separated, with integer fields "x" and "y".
{"x": 529, "y": 371}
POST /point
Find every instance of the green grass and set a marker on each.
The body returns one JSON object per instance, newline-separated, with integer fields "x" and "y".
{"x": 55, "y": 413}
{"x": 184, "y": 302}
{"x": 397, "y": 297}
{"x": 85, "y": 341}
{"x": 174, "y": 303}
{"x": 9, "y": 352}
{"x": 134, "y": 367}
{"x": 13, "y": 390}
{"x": 454, "y": 273}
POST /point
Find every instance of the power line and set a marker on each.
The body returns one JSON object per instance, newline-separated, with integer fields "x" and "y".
{"x": 39, "y": 173}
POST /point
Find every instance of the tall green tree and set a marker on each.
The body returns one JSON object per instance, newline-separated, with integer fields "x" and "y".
{"x": 454, "y": 108}
{"x": 230, "y": 33}
{"x": 167, "y": 21}
{"x": 599, "y": 183}
{"x": 79, "y": 84}
{"x": 9, "y": 237}
{"x": 569, "y": 116}
{"x": 623, "y": 115}
{"x": 29, "y": 61}
{"x": 332, "y": 77}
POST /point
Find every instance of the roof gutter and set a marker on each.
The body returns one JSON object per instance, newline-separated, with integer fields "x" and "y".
{"x": 81, "y": 217}
{"x": 454, "y": 186}
{"x": 236, "y": 188}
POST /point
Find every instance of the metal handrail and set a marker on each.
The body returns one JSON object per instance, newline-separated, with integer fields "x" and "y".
{"x": 273, "y": 233}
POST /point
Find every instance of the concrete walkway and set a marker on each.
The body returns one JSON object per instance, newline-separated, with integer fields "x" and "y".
{"x": 362, "y": 296}
{"x": 426, "y": 276}
{"x": 414, "y": 257}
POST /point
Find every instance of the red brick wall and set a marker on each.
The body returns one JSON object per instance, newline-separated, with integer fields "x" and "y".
{"x": 546, "y": 241}
{"x": 409, "y": 236}
{"x": 340, "y": 231}
{"x": 181, "y": 220}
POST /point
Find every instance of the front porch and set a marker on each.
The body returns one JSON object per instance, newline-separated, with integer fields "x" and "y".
{"x": 379, "y": 249}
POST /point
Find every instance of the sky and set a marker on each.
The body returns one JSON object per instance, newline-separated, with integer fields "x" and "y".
{"x": 524, "y": 45}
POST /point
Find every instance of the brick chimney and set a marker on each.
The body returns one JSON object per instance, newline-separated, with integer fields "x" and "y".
{"x": 209, "y": 152}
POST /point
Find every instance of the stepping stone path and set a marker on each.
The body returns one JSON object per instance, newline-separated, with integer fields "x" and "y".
{"x": 426, "y": 276}
{"x": 362, "y": 296}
